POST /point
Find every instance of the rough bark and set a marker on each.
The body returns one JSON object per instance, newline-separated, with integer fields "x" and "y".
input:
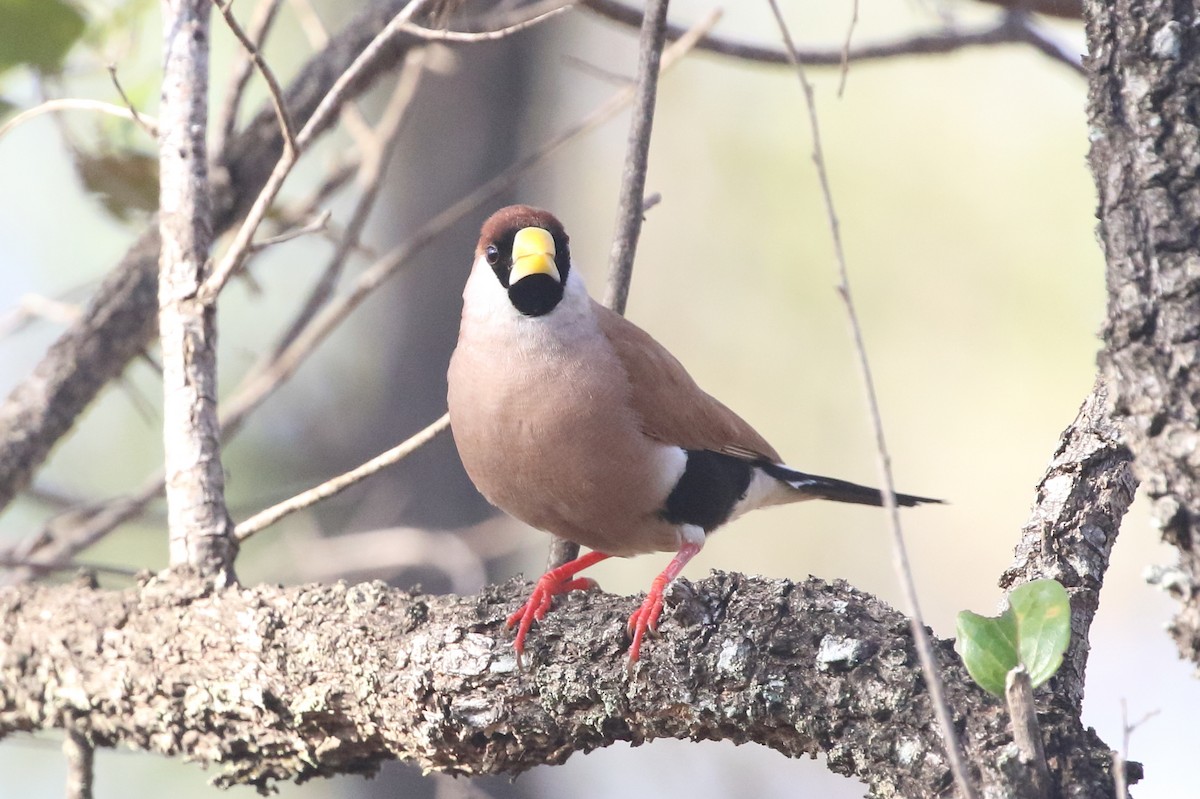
{"x": 200, "y": 530}
{"x": 1081, "y": 500}
{"x": 291, "y": 683}
{"x": 1145, "y": 126}
{"x": 119, "y": 321}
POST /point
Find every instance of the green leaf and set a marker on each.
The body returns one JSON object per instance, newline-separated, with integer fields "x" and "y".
{"x": 38, "y": 33}
{"x": 988, "y": 647}
{"x": 1043, "y": 613}
{"x": 1032, "y": 632}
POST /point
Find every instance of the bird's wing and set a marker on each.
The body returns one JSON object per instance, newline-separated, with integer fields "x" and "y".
{"x": 673, "y": 409}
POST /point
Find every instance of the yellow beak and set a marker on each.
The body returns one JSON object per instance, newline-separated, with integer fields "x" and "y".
{"x": 533, "y": 254}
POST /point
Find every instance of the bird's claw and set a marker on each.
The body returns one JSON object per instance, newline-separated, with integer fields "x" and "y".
{"x": 538, "y": 605}
{"x": 643, "y": 620}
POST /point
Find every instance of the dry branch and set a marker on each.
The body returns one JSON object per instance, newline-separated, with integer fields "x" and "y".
{"x": 1144, "y": 129}
{"x": 290, "y": 683}
{"x": 119, "y": 321}
{"x": 1081, "y": 500}
{"x": 199, "y": 525}
{"x": 1013, "y": 28}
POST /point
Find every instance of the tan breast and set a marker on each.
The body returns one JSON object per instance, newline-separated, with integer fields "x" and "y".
{"x": 542, "y": 418}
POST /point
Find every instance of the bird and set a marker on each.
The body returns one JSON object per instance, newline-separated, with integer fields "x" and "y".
{"x": 577, "y": 422}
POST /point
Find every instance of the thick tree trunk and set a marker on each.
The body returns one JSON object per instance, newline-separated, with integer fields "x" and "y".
{"x": 1145, "y": 126}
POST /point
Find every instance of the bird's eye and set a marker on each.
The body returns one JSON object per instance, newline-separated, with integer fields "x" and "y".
{"x": 492, "y": 253}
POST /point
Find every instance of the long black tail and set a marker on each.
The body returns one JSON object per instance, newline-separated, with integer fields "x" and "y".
{"x": 837, "y": 490}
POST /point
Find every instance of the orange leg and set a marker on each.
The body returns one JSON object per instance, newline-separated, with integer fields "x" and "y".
{"x": 554, "y": 582}
{"x": 646, "y": 617}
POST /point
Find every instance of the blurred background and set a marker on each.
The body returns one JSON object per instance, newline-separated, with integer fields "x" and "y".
{"x": 967, "y": 213}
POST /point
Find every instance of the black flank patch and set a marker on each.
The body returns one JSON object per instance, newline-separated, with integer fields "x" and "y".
{"x": 711, "y": 485}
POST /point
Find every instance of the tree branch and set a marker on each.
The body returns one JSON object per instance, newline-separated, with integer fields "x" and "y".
{"x": 291, "y": 683}
{"x": 1012, "y": 28}
{"x": 199, "y": 525}
{"x": 1081, "y": 500}
{"x": 119, "y": 321}
{"x": 1141, "y": 109}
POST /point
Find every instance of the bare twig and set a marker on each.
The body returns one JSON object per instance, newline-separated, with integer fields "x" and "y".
{"x": 429, "y": 34}
{"x": 340, "y": 483}
{"x": 273, "y": 88}
{"x": 921, "y": 637}
{"x": 375, "y": 154}
{"x": 80, "y": 756}
{"x": 1027, "y": 733}
{"x": 330, "y": 103}
{"x": 637, "y": 156}
{"x": 845, "y": 68}
{"x": 940, "y": 42}
{"x": 351, "y": 117}
{"x": 45, "y": 552}
{"x": 137, "y": 117}
{"x": 321, "y": 222}
{"x": 11, "y": 562}
{"x": 78, "y": 104}
{"x": 630, "y": 206}
{"x": 1121, "y": 756}
{"x": 36, "y": 306}
{"x": 273, "y": 85}
{"x": 226, "y": 118}
{"x": 195, "y": 481}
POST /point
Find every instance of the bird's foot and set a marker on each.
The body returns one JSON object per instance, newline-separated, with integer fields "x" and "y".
{"x": 550, "y": 585}
{"x": 643, "y": 620}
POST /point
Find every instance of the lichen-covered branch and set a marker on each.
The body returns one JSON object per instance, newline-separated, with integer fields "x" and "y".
{"x": 289, "y": 683}
{"x": 1145, "y": 58}
{"x": 1081, "y": 500}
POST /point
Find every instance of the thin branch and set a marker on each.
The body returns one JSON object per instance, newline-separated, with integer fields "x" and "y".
{"x": 78, "y": 104}
{"x": 137, "y": 117}
{"x": 630, "y": 204}
{"x": 260, "y": 25}
{"x": 44, "y": 552}
{"x": 321, "y": 222}
{"x": 197, "y": 519}
{"x": 637, "y": 157}
{"x": 350, "y": 116}
{"x": 11, "y": 562}
{"x": 336, "y": 485}
{"x": 36, "y": 306}
{"x": 428, "y": 34}
{"x": 1120, "y": 757}
{"x": 333, "y": 100}
{"x": 940, "y": 42}
{"x": 845, "y": 68}
{"x": 921, "y": 637}
{"x": 274, "y": 90}
{"x": 376, "y": 151}
{"x": 80, "y": 757}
